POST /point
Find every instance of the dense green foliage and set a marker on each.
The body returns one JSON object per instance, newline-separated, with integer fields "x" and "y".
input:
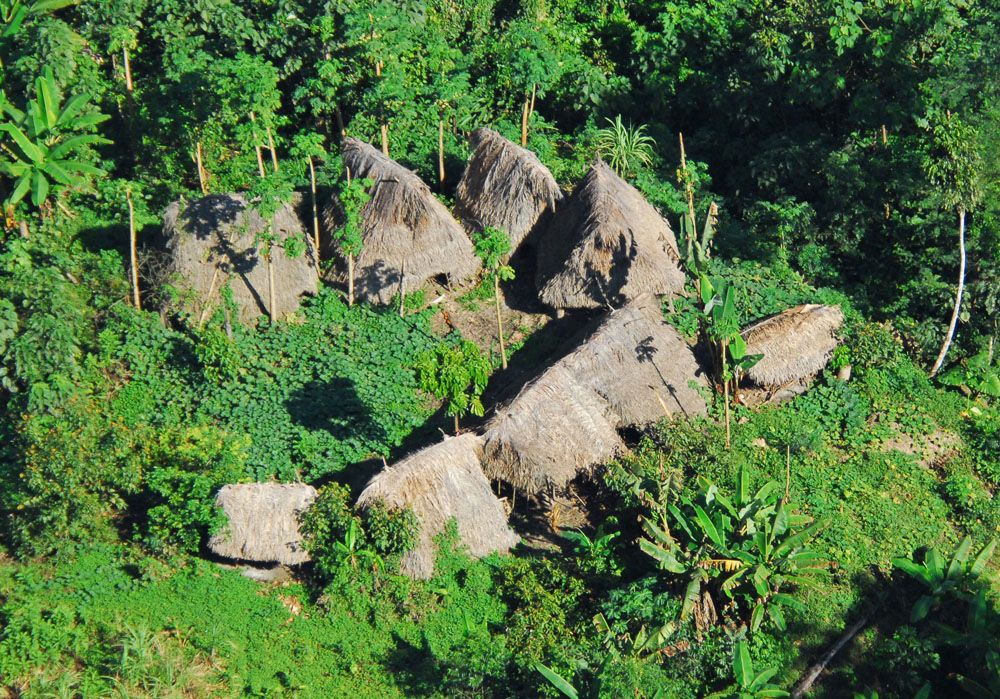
{"x": 832, "y": 148}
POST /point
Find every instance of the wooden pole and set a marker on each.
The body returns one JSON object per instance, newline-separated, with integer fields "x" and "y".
{"x": 496, "y": 296}
{"x": 133, "y": 255}
{"x": 270, "y": 146}
{"x": 312, "y": 190}
{"x": 441, "y": 151}
{"x": 257, "y": 149}
{"x": 524, "y": 122}
{"x": 202, "y": 173}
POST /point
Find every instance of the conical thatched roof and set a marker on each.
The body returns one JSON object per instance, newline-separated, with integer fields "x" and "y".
{"x": 407, "y": 231}
{"x": 633, "y": 370}
{"x": 795, "y": 343}
{"x": 504, "y": 186}
{"x": 606, "y": 246}
{"x": 214, "y": 239}
{"x": 263, "y": 522}
{"x": 441, "y": 482}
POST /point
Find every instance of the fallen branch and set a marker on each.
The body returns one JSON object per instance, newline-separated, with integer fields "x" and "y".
{"x": 810, "y": 677}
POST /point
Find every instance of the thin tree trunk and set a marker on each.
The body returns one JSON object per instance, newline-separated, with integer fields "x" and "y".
{"x": 128, "y": 69}
{"x": 816, "y": 670}
{"x": 270, "y": 146}
{"x": 456, "y": 424}
{"x": 350, "y": 280}
{"x": 441, "y": 151}
{"x": 258, "y": 150}
{"x": 531, "y": 107}
{"x": 133, "y": 256}
{"x": 524, "y": 121}
{"x": 384, "y": 131}
{"x": 958, "y": 296}
{"x": 312, "y": 190}
{"x": 496, "y": 296}
{"x": 202, "y": 173}
{"x": 270, "y": 288}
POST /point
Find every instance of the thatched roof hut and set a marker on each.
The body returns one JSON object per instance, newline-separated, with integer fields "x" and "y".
{"x": 438, "y": 483}
{"x": 213, "y": 240}
{"x": 633, "y": 370}
{"x": 263, "y": 522}
{"x": 606, "y": 246}
{"x": 504, "y": 186}
{"x": 796, "y": 343}
{"x": 408, "y": 234}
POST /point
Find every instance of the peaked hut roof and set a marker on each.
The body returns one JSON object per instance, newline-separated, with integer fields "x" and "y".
{"x": 437, "y": 483}
{"x": 606, "y": 246}
{"x": 631, "y": 371}
{"x": 795, "y": 343}
{"x": 263, "y": 522}
{"x": 504, "y": 186}
{"x": 408, "y": 234}
{"x": 213, "y": 240}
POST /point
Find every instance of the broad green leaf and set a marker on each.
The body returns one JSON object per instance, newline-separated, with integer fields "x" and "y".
{"x": 935, "y": 564}
{"x": 691, "y": 593}
{"x": 913, "y": 569}
{"x": 20, "y": 189}
{"x": 40, "y": 6}
{"x": 47, "y": 97}
{"x": 71, "y": 144}
{"x": 708, "y": 527}
{"x": 738, "y": 347}
{"x": 961, "y": 556}
{"x": 557, "y": 681}
{"x": 72, "y": 108}
{"x": 757, "y": 617}
{"x": 742, "y": 666}
{"x": 28, "y": 149}
{"x": 983, "y": 558}
{"x": 39, "y": 188}
{"x": 922, "y": 608}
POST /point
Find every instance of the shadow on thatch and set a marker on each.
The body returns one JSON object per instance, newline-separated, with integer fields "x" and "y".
{"x": 631, "y": 371}
{"x": 795, "y": 343}
{"x": 262, "y": 522}
{"x": 606, "y": 246}
{"x": 212, "y": 241}
{"x": 505, "y": 186}
{"x": 438, "y": 483}
{"x": 408, "y": 235}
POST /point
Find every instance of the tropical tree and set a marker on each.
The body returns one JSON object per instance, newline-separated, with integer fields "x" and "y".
{"x": 748, "y": 683}
{"x": 353, "y": 198}
{"x": 45, "y": 146}
{"x": 308, "y": 146}
{"x": 492, "y": 246}
{"x": 268, "y": 195}
{"x": 455, "y": 372}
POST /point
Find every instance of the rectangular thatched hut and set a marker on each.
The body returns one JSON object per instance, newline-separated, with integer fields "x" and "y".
{"x": 262, "y": 522}
{"x": 796, "y": 344}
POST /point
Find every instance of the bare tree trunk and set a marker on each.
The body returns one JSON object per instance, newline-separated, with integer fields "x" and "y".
{"x": 958, "y": 296}
{"x": 257, "y": 149}
{"x": 312, "y": 190}
{"x": 524, "y": 121}
{"x": 531, "y": 107}
{"x": 456, "y": 424}
{"x": 496, "y": 297}
{"x": 128, "y": 69}
{"x": 270, "y": 147}
{"x": 270, "y": 288}
{"x": 133, "y": 256}
{"x": 441, "y": 151}
{"x": 384, "y": 131}
{"x": 202, "y": 173}
{"x": 350, "y": 280}
{"x": 816, "y": 670}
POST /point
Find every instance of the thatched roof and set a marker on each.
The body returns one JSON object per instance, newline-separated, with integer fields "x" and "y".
{"x": 504, "y": 186}
{"x": 213, "y": 239}
{"x": 263, "y": 522}
{"x": 795, "y": 343}
{"x": 606, "y": 246}
{"x": 407, "y": 232}
{"x": 441, "y": 482}
{"x": 633, "y": 370}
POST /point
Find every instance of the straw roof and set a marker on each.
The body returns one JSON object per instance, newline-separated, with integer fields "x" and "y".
{"x": 438, "y": 483}
{"x": 214, "y": 239}
{"x": 795, "y": 343}
{"x": 633, "y": 370}
{"x": 606, "y": 246}
{"x": 263, "y": 522}
{"x": 408, "y": 234}
{"x": 504, "y": 186}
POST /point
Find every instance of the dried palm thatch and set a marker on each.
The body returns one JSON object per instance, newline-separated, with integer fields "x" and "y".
{"x": 795, "y": 343}
{"x": 639, "y": 365}
{"x": 438, "y": 483}
{"x": 213, "y": 241}
{"x": 552, "y": 430}
{"x": 263, "y": 522}
{"x": 408, "y": 235}
{"x": 505, "y": 186}
{"x": 606, "y": 246}
{"x": 633, "y": 370}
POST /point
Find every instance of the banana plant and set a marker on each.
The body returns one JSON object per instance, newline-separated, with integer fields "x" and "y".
{"x": 14, "y": 12}
{"x": 42, "y": 146}
{"x": 748, "y": 683}
{"x": 748, "y": 552}
{"x": 719, "y": 309}
{"x": 943, "y": 578}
